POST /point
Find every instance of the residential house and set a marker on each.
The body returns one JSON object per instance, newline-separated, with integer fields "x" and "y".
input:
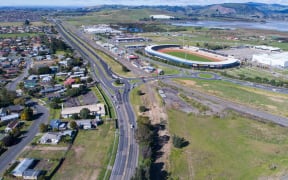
{"x": 12, "y": 125}
{"x": 31, "y": 174}
{"x": 46, "y": 79}
{"x": 85, "y": 124}
{"x": 51, "y": 89}
{"x": 23, "y": 166}
{"x": 69, "y": 81}
{"x": 33, "y": 77}
{"x": 50, "y": 138}
{"x": 55, "y": 137}
{"x": 58, "y": 124}
{"x": 30, "y": 83}
{"x": 15, "y": 108}
{"x": 3, "y": 112}
{"x": 9, "y": 118}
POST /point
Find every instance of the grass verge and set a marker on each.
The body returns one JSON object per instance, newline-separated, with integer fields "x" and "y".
{"x": 230, "y": 148}
{"x": 265, "y": 100}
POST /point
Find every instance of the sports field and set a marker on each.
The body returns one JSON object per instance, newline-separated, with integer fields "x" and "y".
{"x": 190, "y": 55}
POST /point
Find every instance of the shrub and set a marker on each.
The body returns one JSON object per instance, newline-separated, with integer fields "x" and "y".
{"x": 179, "y": 142}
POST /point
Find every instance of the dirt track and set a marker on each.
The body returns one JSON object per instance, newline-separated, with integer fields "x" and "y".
{"x": 202, "y": 54}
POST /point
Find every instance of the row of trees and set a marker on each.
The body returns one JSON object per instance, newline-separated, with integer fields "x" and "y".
{"x": 257, "y": 79}
{"x": 6, "y": 97}
{"x": 144, "y": 135}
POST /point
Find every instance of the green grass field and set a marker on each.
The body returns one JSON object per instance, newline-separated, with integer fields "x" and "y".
{"x": 228, "y": 148}
{"x": 89, "y": 155}
{"x": 54, "y": 113}
{"x": 188, "y": 56}
{"x": 205, "y": 75}
{"x": 115, "y": 66}
{"x": 20, "y": 35}
{"x": 265, "y": 100}
{"x": 113, "y": 16}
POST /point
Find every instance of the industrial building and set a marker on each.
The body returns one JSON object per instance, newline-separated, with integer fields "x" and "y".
{"x": 161, "y": 16}
{"x": 277, "y": 60}
{"x": 100, "y": 29}
{"x": 95, "y": 109}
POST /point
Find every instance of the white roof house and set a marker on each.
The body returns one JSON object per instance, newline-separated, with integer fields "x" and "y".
{"x": 50, "y": 138}
{"x": 10, "y": 117}
{"x": 95, "y": 109}
{"x": 278, "y": 59}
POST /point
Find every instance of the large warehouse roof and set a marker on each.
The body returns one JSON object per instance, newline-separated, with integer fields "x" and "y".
{"x": 278, "y": 59}
{"x": 99, "y": 108}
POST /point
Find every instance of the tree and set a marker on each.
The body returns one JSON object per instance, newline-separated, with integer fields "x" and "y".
{"x": 53, "y": 105}
{"x": 6, "y": 97}
{"x": 75, "y": 116}
{"x": 27, "y": 22}
{"x": 139, "y": 93}
{"x": 8, "y": 140}
{"x": 125, "y": 69}
{"x": 44, "y": 70}
{"x": 118, "y": 81}
{"x": 142, "y": 109}
{"x": 73, "y": 125}
{"x": 15, "y": 132}
{"x": 84, "y": 113}
{"x": 21, "y": 85}
{"x": 20, "y": 101}
{"x": 27, "y": 114}
{"x": 43, "y": 127}
{"x": 89, "y": 80}
{"x": 179, "y": 142}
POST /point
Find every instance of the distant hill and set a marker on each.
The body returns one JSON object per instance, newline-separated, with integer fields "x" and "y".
{"x": 233, "y": 11}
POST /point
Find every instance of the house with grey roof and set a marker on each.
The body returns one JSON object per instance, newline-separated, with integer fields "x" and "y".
{"x": 23, "y": 166}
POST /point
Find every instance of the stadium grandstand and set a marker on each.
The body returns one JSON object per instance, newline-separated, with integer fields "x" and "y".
{"x": 219, "y": 63}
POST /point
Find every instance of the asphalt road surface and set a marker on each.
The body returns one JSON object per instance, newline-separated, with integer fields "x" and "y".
{"x": 13, "y": 84}
{"x": 127, "y": 152}
{"x": 13, "y": 151}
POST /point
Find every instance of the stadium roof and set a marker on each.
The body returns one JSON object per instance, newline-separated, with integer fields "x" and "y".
{"x": 149, "y": 49}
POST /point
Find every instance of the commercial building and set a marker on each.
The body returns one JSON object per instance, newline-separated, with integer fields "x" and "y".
{"x": 278, "y": 59}
{"x": 95, "y": 109}
{"x": 161, "y": 16}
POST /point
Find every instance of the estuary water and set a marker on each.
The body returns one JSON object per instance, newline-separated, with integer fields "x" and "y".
{"x": 269, "y": 25}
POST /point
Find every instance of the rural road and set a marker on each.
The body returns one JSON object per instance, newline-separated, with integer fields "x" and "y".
{"x": 255, "y": 113}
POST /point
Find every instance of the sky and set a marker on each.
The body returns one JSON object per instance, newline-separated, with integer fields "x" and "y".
{"x": 125, "y": 2}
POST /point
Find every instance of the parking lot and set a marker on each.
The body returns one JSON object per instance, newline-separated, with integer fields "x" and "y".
{"x": 85, "y": 99}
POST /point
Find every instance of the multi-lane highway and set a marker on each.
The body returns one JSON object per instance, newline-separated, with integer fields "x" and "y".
{"x": 127, "y": 153}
